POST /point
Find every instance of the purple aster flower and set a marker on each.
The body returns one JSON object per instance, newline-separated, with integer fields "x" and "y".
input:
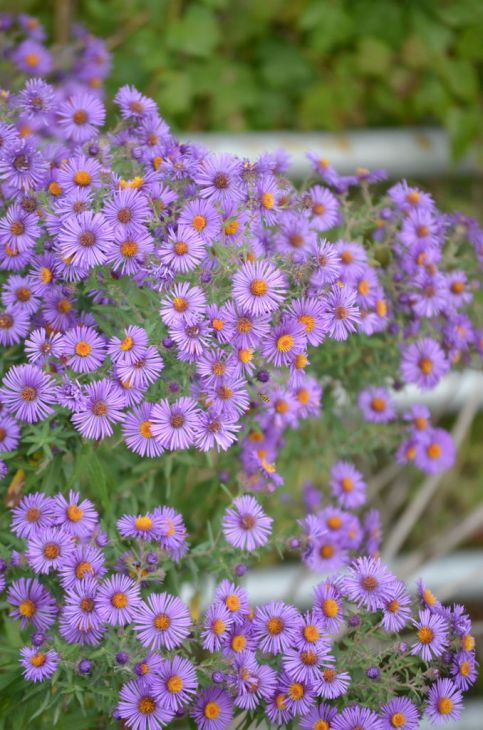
{"x": 162, "y": 621}
{"x": 258, "y": 287}
{"x": 41, "y": 345}
{"x": 19, "y": 230}
{"x": 420, "y": 227}
{"x": 172, "y": 532}
{"x": 133, "y": 105}
{"x": 48, "y": 549}
{"x": 368, "y": 583}
{"x": 302, "y": 665}
{"x": 182, "y": 250}
{"x": 423, "y": 363}
{"x": 299, "y": 695}
{"x": 399, "y": 712}
{"x": 216, "y": 625}
{"x": 75, "y": 516}
{"x": 118, "y": 600}
{"x": 32, "y": 604}
{"x": 245, "y": 525}
{"x": 38, "y": 665}
{"x": 9, "y": 433}
{"x": 397, "y": 610}
{"x": 331, "y": 684}
{"x": 191, "y": 338}
{"x": 85, "y": 238}
{"x": 406, "y": 197}
{"x": 213, "y": 366}
{"x": 309, "y": 313}
{"x": 142, "y": 372}
{"x": 176, "y": 682}
{"x": 347, "y": 485}
{"x": 341, "y": 313}
{"x": 319, "y": 718}
{"x": 86, "y": 561}
{"x": 128, "y": 250}
{"x": 137, "y": 431}
{"x": 33, "y": 515}
{"x": 174, "y": 426}
{"x": 376, "y": 404}
{"x": 283, "y": 342}
{"x": 234, "y": 598}
{"x": 275, "y": 626}
{"x": 202, "y": 217}
{"x": 184, "y": 303}
{"x": 141, "y": 708}
{"x": 357, "y": 717}
{"x": 434, "y": 451}
{"x": 79, "y": 116}
{"x": 353, "y": 260}
{"x": 229, "y": 400}
{"x": 140, "y": 527}
{"x": 213, "y": 709}
{"x": 432, "y": 635}
{"x": 14, "y": 326}
{"x": 79, "y": 173}
{"x": 128, "y": 210}
{"x": 32, "y": 58}
{"x": 277, "y": 710}
{"x": 457, "y": 289}
{"x": 21, "y": 165}
{"x": 251, "y": 681}
{"x": 294, "y": 236}
{"x": 83, "y": 349}
{"x": 130, "y": 347}
{"x": 216, "y": 430}
{"x": 323, "y": 207}
{"x": 81, "y": 607}
{"x": 219, "y": 179}
{"x": 444, "y": 703}
{"x": 102, "y": 407}
{"x": 36, "y": 99}
{"x": 327, "y": 264}
{"x": 464, "y": 670}
{"x": 266, "y": 193}
{"x": 328, "y": 606}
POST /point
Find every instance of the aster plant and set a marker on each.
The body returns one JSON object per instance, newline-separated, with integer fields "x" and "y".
{"x": 171, "y": 319}
{"x": 102, "y": 624}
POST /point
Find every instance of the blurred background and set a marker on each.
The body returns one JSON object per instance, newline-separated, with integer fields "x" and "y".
{"x": 389, "y": 83}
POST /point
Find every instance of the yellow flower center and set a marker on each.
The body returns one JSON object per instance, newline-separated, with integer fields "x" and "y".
{"x": 268, "y": 201}
{"x": 74, "y": 513}
{"x": 51, "y": 551}
{"x": 311, "y": 633}
{"x": 211, "y": 711}
{"x": 275, "y": 626}
{"x": 433, "y": 451}
{"x": 82, "y": 569}
{"x": 119, "y": 600}
{"x": 128, "y": 249}
{"x": 347, "y": 485}
{"x": 38, "y": 660}
{"x": 232, "y": 602}
{"x": 162, "y": 622}
{"x": 27, "y": 608}
{"x": 145, "y": 429}
{"x": 285, "y": 343}
{"x": 445, "y": 705}
{"x": 82, "y": 178}
{"x": 258, "y": 287}
{"x": 330, "y": 608}
{"x": 425, "y": 635}
{"x": 378, "y": 405}
{"x": 180, "y": 248}
{"x": 82, "y": 348}
{"x": 398, "y": 719}
{"x": 174, "y": 684}
{"x": 296, "y": 691}
{"x": 146, "y": 705}
{"x": 218, "y": 626}
{"x": 198, "y": 222}
{"x": 238, "y": 643}
{"x": 143, "y": 523}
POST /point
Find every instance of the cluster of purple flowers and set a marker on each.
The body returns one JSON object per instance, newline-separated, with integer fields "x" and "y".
{"x": 166, "y": 661}
{"x": 181, "y": 304}
{"x": 333, "y": 534}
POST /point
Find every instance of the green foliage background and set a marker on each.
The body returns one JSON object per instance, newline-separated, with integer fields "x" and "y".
{"x": 293, "y": 64}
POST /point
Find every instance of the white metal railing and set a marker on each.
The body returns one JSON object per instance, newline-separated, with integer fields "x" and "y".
{"x": 407, "y": 152}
